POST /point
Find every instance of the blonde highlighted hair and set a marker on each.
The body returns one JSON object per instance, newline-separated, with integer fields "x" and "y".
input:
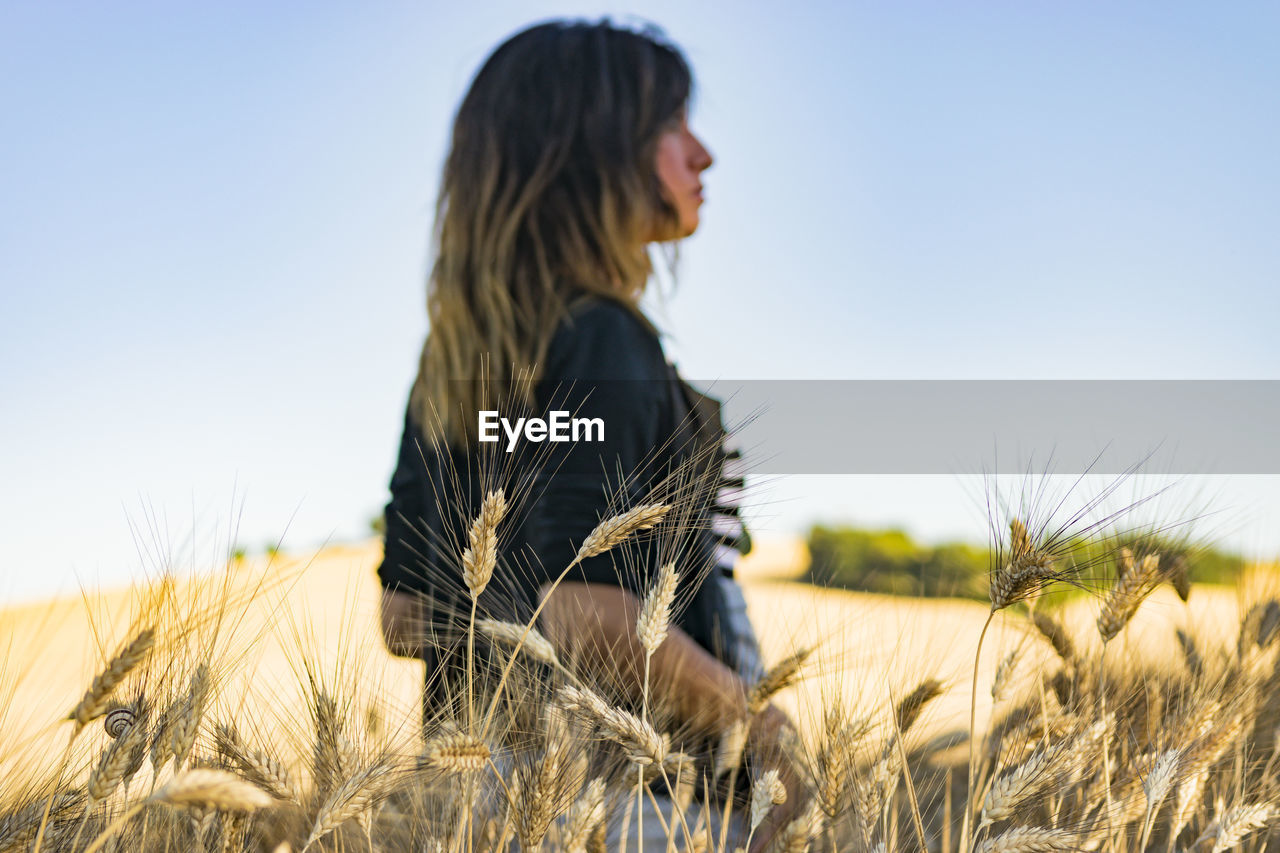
{"x": 549, "y": 193}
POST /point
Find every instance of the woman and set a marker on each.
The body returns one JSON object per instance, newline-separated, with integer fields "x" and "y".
{"x": 571, "y": 153}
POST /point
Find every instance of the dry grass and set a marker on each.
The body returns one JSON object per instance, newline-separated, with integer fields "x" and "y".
{"x": 1121, "y": 722}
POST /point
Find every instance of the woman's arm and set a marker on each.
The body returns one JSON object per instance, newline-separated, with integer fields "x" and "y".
{"x": 402, "y": 615}
{"x": 402, "y": 623}
{"x": 598, "y": 622}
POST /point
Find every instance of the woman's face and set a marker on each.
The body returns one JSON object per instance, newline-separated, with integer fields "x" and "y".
{"x": 681, "y": 160}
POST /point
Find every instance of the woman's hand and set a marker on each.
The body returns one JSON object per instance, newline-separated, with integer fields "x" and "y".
{"x": 599, "y": 620}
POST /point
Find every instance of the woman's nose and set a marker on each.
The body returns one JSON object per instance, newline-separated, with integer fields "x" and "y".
{"x": 701, "y": 158}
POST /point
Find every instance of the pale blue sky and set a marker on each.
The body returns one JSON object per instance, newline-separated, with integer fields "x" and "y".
{"x": 214, "y": 234}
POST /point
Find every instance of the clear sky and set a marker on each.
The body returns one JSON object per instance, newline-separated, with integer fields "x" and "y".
{"x": 213, "y": 238}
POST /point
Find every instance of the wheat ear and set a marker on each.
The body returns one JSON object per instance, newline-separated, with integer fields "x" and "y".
{"x": 456, "y": 752}
{"x": 1190, "y": 653}
{"x": 478, "y": 562}
{"x": 587, "y": 813}
{"x": 1156, "y": 787}
{"x": 18, "y": 828}
{"x": 183, "y": 729}
{"x": 481, "y": 554}
{"x": 729, "y": 748}
{"x": 779, "y": 677}
{"x": 643, "y": 744}
{"x": 909, "y": 707}
{"x": 608, "y": 533}
{"x": 655, "y": 613}
{"x": 1024, "y": 574}
{"x": 1031, "y": 839}
{"x": 1004, "y": 676}
{"x": 96, "y": 699}
{"x": 356, "y": 796}
{"x": 528, "y": 640}
{"x": 549, "y": 785}
{"x": 1028, "y": 570}
{"x": 214, "y": 789}
{"x": 615, "y": 530}
{"x": 120, "y": 757}
{"x": 767, "y": 792}
{"x": 259, "y": 767}
{"x": 799, "y": 834}
{"x": 1238, "y": 822}
{"x": 1012, "y": 789}
{"x": 835, "y": 760}
{"x": 1133, "y": 585}
{"x": 160, "y": 750}
{"x": 329, "y": 754}
{"x": 1053, "y": 631}
{"x": 200, "y": 788}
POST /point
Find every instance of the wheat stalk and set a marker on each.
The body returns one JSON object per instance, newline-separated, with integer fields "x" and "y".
{"x": 797, "y": 835}
{"x": 1031, "y": 839}
{"x": 616, "y": 529}
{"x": 1236, "y": 823}
{"x": 1057, "y": 635}
{"x": 355, "y": 796}
{"x": 1004, "y": 676}
{"x": 183, "y": 729}
{"x": 778, "y": 677}
{"x": 583, "y": 818}
{"x": 259, "y": 767}
{"x": 1135, "y": 583}
{"x": 655, "y": 613}
{"x": 729, "y": 748}
{"x": 122, "y": 756}
{"x": 643, "y": 744}
{"x": 456, "y": 752}
{"x": 527, "y": 639}
{"x": 909, "y": 707}
{"x": 481, "y": 555}
{"x": 1024, "y": 574}
{"x": 1012, "y": 789}
{"x": 96, "y": 699}
{"x": 767, "y": 792}
{"x": 1156, "y": 787}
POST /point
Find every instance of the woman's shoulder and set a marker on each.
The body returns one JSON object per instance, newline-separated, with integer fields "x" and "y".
{"x": 602, "y": 338}
{"x": 591, "y": 311}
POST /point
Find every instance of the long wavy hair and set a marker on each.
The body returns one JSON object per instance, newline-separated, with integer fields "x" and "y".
{"x": 549, "y": 193}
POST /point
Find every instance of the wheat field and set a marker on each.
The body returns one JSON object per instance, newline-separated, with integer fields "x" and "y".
{"x": 255, "y": 708}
